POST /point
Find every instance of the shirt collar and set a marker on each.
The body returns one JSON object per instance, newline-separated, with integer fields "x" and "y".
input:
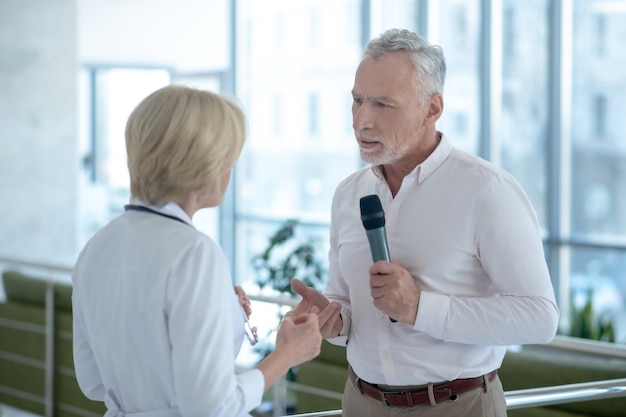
{"x": 435, "y": 159}
{"x": 430, "y": 165}
{"x": 170, "y": 208}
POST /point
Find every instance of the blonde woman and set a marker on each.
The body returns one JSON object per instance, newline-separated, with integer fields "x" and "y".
{"x": 157, "y": 324}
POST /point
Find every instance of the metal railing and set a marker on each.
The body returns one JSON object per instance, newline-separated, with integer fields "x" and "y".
{"x": 50, "y": 269}
{"x": 570, "y": 393}
{"x": 537, "y": 397}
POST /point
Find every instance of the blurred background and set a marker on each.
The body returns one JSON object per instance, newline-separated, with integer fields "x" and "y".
{"x": 538, "y": 87}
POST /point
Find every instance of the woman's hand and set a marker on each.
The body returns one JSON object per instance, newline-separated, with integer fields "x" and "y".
{"x": 243, "y": 300}
{"x": 299, "y": 337}
{"x": 298, "y": 340}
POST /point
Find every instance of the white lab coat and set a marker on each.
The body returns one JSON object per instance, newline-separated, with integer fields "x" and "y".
{"x": 157, "y": 325}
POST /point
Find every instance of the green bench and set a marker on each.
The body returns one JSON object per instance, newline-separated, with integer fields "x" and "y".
{"x": 36, "y": 361}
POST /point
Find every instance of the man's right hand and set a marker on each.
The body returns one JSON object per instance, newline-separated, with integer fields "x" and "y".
{"x": 330, "y": 321}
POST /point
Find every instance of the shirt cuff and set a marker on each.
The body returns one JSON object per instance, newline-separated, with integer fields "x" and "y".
{"x": 432, "y": 314}
{"x": 342, "y": 339}
{"x": 252, "y": 385}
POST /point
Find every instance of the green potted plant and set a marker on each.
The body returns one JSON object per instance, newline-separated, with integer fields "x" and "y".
{"x": 285, "y": 257}
{"x": 586, "y": 325}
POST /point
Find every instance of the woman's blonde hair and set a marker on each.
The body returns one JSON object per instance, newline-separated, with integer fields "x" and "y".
{"x": 181, "y": 140}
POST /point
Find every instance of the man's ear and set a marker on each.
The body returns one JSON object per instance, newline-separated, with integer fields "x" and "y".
{"x": 435, "y": 108}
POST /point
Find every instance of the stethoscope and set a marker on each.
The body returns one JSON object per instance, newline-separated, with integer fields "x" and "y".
{"x": 149, "y": 210}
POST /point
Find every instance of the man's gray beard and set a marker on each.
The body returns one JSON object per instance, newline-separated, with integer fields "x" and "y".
{"x": 387, "y": 157}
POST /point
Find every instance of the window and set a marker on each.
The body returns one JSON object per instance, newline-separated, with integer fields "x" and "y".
{"x": 278, "y": 112}
{"x": 508, "y": 37}
{"x": 314, "y": 114}
{"x": 599, "y": 116}
{"x": 283, "y": 174}
{"x": 459, "y": 36}
{"x": 507, "y": 99}
{"x": 524, "y": 106}
{"x": 545, "y": 104}
{"x": 600, "y": 34}
{"x": 598, "y": 158}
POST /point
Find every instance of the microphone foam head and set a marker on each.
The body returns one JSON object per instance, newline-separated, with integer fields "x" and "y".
{"x": 372, "y": 214}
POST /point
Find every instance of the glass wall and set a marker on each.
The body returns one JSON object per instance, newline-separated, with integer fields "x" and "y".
{"x": 598, "y": 160}
{"x": 296, "y": 63}
{"x": 542, "y": 103}
{"x": 537, "y": 87}
{"x": 524, "y": 101}
{"x": 457, "y": 31}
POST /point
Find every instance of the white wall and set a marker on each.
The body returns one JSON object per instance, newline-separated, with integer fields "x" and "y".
{"x": 43, "y": 43}
{"x": 38, "y": 62}
{"x": 188, "y": 35}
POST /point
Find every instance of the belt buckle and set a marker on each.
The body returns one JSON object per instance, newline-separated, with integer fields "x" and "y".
{"x": 383, "y": 396}
{"x": 357, "y": 382}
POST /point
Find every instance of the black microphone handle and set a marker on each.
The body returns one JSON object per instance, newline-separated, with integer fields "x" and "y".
{"x": 378, "y": 244}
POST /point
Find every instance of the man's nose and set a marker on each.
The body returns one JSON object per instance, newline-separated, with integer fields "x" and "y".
{"x": 361, "y": 118}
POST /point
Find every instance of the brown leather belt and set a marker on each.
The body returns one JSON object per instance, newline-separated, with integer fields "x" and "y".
{"x": 442, "y": 391}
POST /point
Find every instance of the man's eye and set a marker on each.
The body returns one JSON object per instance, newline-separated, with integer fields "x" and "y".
{"x": 358, "y": 100}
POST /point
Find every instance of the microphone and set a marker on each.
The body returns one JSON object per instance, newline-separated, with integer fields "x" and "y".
{"x": 373, "y": 218}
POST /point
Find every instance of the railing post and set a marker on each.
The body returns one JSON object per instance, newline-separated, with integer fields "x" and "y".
{"x": 279, "y": 400}
{"x": 49, "y": 350}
